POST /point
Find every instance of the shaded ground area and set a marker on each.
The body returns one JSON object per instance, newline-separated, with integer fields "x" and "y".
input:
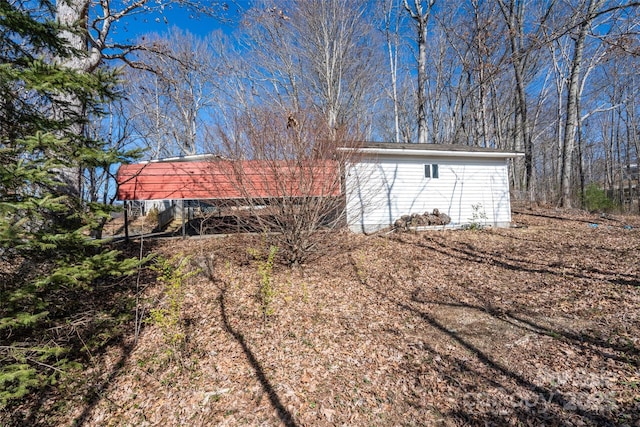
{"x": 226, "y": 223}
{"x": 536, "y": 325}
{"x": 138, "y": 225}
{"x": 148, "y": 226}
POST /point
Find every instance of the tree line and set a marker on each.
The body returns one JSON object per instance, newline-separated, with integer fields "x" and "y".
{"x": 552, "y": 79}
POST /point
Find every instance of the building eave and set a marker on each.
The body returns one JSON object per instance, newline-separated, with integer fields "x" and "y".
{"x": 434, "y": 153}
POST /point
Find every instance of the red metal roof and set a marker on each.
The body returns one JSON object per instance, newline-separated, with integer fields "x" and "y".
{"x": 223, "y": 179}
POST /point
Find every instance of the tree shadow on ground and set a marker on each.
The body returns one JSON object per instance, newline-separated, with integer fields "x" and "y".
{"x": 631, "y": 354}
{"x": 563, "y": 218}
{"x": 469, "y": 254}
{"x": 553, "y": 407}
{"x": 95, "y": 395}
{"x": 586, "y": 342}
{"x": 285, "y": 416}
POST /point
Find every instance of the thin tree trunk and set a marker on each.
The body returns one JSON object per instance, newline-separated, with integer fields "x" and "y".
{"x": 580, "y": 157}
{"x": 392, "y": 49}
{"x": 514, "y": 17}
{"x": 422, "y": 83}
{"x": 421, "y": 16}
{"x": 573, "y": 93}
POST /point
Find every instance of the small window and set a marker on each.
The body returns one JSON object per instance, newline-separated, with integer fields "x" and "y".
{"x": 431, "y": 171}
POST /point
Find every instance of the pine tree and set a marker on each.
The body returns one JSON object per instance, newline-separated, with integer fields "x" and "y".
{"x": 46, "y": 255}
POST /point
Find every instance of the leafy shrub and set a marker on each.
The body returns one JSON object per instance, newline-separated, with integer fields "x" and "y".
{"x": 595, "y": 199}
{"x": 478, "y": 218}
{"x": 173, "y": 275}
{"x": 266, "y": 291}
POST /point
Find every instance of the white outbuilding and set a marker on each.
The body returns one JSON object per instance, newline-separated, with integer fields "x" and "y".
{"x": 386, "y": 181}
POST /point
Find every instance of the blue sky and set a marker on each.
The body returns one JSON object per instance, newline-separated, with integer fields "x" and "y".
{"x": 196, "y": 23}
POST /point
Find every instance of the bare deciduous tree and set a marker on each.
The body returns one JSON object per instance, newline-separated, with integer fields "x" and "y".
{"x": 500, "y": 74}
{"x": 420, "y": 14}
{"x": 588, "y": 12}
{"x": 289, "y": 176}
{"x": 316, "y": 56}
{"x": 523, "y": 45}
{"x": 172, "y": 97}
{"x": 392, "y": 21}
{"x": 88, "y": 27}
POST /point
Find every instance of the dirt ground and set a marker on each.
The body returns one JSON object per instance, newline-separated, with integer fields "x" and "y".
{"x": 534, "y": 325}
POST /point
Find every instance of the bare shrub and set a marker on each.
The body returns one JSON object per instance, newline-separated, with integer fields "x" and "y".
{"x": 288, "y": 175}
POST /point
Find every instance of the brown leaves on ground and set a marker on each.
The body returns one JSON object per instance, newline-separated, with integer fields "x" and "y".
{"x": 536, "y": 325}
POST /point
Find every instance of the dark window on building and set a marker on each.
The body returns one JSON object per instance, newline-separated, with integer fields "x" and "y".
{"x": 431, "y": 171}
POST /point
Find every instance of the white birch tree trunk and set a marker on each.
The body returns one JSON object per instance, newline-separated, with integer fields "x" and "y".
{"x": 573, "y": 93}
{"x": 420, "y": 14}
{"x": 392, "y": 44}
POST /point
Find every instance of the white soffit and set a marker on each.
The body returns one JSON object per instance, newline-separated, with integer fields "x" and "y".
{"x": 435, "y": 153}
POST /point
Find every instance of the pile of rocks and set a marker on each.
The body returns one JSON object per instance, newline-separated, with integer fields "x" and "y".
{"x": 407, "y": 222}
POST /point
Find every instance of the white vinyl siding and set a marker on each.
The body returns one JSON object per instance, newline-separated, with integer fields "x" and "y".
{"x": 381, "y": 190}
